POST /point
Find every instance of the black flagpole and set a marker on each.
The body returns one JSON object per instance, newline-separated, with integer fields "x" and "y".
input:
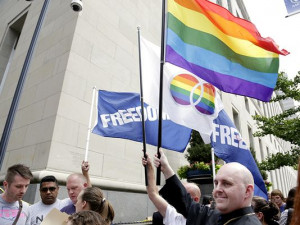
{"x": 16, "y": 98}
{"x": 162, "y": 57}
{"x": 142, "y": 104}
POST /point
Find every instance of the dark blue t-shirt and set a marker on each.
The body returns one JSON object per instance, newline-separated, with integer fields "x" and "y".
{"x": 282, "y": 208}
{"x": 69, "y": 209}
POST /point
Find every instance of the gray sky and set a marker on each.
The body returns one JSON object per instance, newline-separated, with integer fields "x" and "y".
{"x": 269, "y": 18}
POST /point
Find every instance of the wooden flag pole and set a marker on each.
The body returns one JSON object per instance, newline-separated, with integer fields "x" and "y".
{"x": 142, "y": 103}
{"x": 90, "y": 126}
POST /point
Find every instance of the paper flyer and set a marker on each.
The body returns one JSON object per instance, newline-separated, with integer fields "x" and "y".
{"x": 55, "y": 217}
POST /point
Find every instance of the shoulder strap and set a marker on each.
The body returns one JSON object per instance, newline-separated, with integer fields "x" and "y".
{"x": 19, "y": 212}
{"x": 289, "y": 216}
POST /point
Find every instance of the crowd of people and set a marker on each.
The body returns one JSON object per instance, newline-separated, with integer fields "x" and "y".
{"x": 86, "y": 205}
{"x": 232, "y": 200}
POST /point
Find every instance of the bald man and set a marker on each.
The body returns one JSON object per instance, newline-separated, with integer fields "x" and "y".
{"x": 75, "y": 184}
{"x": 191, "y": 188}
{"x": 233, "y": 192}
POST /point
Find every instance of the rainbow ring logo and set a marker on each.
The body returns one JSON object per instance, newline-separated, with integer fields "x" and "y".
{"x": 186, "y": 89}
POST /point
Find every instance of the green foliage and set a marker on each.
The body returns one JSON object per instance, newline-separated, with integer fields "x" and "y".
{"x": 262, "y": 172}
{"x": 182, "y": 171}
{"x": 289, "y": 88}
{"x": 198, "y": 155}
{"x": 200, "y": 166}
{"x": 295, "y": 167}
{"x": 275, "y": 161}
{"x": 217, "y": 167}
{"x": 268, "y": 185}
{"x": 285, "y": 125}
{"x": 282, "y": 125}
{"x": 198, "y": 151}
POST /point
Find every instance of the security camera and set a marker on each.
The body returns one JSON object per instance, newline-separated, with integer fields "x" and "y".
{"x": 76, "y": 5}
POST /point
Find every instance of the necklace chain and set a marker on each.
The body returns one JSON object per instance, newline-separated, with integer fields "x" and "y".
{"x": 235, "y": 218}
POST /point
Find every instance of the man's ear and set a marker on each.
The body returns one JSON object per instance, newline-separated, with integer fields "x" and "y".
{"x": 249, "y": 190}
{"x": 196, "y": 199}
{"x": 5, "y": 184}
{"x": 260, "y": 216}
{"x": 84, "y": 204}
{"x": 85, "y": 185}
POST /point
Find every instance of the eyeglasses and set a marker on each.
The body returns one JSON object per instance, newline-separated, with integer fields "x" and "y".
{"x": 46, "y": 189}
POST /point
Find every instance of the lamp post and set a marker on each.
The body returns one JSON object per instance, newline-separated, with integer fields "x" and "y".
{"x": 18, "y": 91}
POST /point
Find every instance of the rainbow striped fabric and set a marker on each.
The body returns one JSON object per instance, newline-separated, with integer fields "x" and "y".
{"x": 186, "y": 90}
{"x": 228, "y": 52}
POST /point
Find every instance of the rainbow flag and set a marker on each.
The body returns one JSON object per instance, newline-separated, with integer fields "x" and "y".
{"x": 228, "y": 52}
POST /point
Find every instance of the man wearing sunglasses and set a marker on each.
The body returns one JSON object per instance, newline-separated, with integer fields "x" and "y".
{"x": 48, "y": 191}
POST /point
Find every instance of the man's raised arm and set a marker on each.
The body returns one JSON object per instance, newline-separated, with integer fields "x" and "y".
{"x": 85, "y": 172}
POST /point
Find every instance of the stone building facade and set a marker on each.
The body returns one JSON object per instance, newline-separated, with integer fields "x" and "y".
{"x": 75, "y": 52}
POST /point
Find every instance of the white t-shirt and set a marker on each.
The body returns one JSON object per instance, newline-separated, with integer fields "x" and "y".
{"x": 172, "y": 217}
{"x": 283, "y": 217}
{"x": 39, "y": 210}
{"x": 9, "y": 211}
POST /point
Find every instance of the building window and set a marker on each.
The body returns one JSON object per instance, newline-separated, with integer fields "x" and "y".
{"x": 269, "y": 110}
{"x": 251, "y": 140}
{"x": 268, "y": 152}
{"x": 236, "y": 120}
{"x": 261, "y": 148}
{"x": 265, "y": 111}
{"x": 8, "y": 47}
{"x": 229, "y": 6}
{"x": 272, "y": 109}
{"x": 220, "y": 94}
{"x": 247, "y": 104}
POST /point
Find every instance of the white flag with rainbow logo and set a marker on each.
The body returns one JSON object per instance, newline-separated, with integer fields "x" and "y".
{"x": 189, "y": 100}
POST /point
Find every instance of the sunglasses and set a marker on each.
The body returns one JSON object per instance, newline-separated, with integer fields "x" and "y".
{"x": 46, "y": 189}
